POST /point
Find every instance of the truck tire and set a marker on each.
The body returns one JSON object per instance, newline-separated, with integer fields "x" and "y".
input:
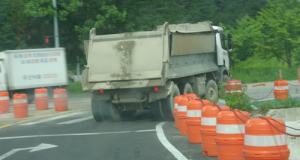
{"x": 168, "y": 104}
{"x": 108, "y": 111}
{"x": 157, "y": 111}
{"x": 211, "y": 92}
{"x": 225, "y": 79}
{"x": 96, "y": 110}
{"x": 185, "y": 88}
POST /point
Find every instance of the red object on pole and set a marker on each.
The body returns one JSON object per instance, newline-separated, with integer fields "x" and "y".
{"x": 298, "y": 75}
{"x": 234, "y": 86}
{"x": 280, "y": 74}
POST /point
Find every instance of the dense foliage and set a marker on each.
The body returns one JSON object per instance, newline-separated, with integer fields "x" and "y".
{"x": 262, "y": 29}
{"x": 25, "y": 23}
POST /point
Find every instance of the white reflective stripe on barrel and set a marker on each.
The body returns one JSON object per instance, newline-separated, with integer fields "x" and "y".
{"x": 60, "y": 95}
{"x": 230, "y": 129}
{"x": 233, "y": 91}
{"x": 265, "y": 141}
{"x": 41, "y": 95}
{"x": 208, "y": 121}
{"x": 175, "y": 105}
{"x": 194, "y": 113}
{"x": 16, "y": 101}
{"x": 281, "y": 87}
{"x": 182, "y": 108}
{"x": 234, "y": 83}
{"x": 4, "y": 98}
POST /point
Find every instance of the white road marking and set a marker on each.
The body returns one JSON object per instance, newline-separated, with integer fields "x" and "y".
{"x": 162, "y": 138}
{"x": 149, "y": 130}
{"x": 77, "y": 120}
{"x": 32, "y": 149}
{"x": 73, "y": 134}
{"x": 52, "y": 118}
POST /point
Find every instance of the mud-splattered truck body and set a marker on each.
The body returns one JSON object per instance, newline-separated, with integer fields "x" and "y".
{"x": 146, "y": 70}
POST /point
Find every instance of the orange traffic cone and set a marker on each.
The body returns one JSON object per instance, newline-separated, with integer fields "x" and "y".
{"x": 193, "y": 122}
{"x": 41, "y": 98}
{"x": 181, "y": 114}
{"x": 263, "y": 141}
{"x": 60, "y": 99}
{"x": 176, "y": 100}
{"x": 230, "y": 134}
{"x": 20, "y": 105}
{"x": 208, "y": 129}
{"x": 4, "y": 102}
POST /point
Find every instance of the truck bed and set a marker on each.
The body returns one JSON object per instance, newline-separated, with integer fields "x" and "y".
{"x": 167, "y": 52}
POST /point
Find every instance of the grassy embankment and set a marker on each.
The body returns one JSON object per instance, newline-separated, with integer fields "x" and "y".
{"x": 255, "y": 70}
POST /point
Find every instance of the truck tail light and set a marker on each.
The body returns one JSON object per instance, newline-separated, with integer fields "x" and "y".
{"x": 101, "y": 91}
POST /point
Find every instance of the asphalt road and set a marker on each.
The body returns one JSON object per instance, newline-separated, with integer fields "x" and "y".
{"x": 265, "y": 93}
{"x": 73, "y": 134}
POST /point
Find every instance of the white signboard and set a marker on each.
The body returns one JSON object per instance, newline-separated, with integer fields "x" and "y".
{"x": 36, "y": 68}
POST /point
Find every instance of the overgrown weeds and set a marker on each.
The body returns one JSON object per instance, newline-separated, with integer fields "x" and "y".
{"x": 236, "y": 100}
{"x": 290, "y": 103}
{"x": 75, "y": 87}
{"x": 255, "y": 75}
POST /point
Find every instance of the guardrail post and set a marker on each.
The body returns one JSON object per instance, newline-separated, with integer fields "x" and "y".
{"x": 298, "y": 75}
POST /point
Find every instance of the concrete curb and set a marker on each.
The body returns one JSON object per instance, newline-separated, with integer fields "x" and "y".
{"x": 286, "y": 114}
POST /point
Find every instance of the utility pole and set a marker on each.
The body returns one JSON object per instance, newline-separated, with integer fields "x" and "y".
{"x": 56, "y": 36}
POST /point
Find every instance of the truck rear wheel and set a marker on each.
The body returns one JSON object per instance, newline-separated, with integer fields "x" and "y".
{"x": 157, "y": 111}
{"x": 168, "y": 104}
{"x": 96, "y": 110}
{"x": 105, "y": 111}
{"x": 211, "y": 90}
{"x": 108, "y": 111}
{"x": 185, "y": 88}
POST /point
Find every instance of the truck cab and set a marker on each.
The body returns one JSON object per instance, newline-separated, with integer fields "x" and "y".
{"x": 3, "y": 83}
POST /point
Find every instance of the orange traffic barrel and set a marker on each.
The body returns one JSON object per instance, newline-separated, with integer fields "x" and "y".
{"x": 263, "y": 141}
{"x": 60, "y": 99}
{"x": 41, "y": 98}
{"x": 20, "y": 105}
{"x": 176, "y": 100}
{"x": 233, "y": 86}
{"x": 4, "y": 102}
{"x": 194, "y": 96}
{"x": 281, "y": 90}
{"x": 206, "y": 102}
{"x": 193, "y": 121}
{"x": 208, "y": 129}
{"x": 230, "y": 134}
{"x": 181, "y": 114}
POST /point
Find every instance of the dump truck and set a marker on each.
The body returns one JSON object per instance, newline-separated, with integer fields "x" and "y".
{"x": 145, "y": 70}
{"x": 24, "y": 70}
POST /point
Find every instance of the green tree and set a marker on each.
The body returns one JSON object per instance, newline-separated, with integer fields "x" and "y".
{"x": 228, "y": 11}
{"x": 281, "y": 29}
{"x": 7, "y": 36}
{"x": 246, "y": 37}
{"x": 77, "y": 17}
